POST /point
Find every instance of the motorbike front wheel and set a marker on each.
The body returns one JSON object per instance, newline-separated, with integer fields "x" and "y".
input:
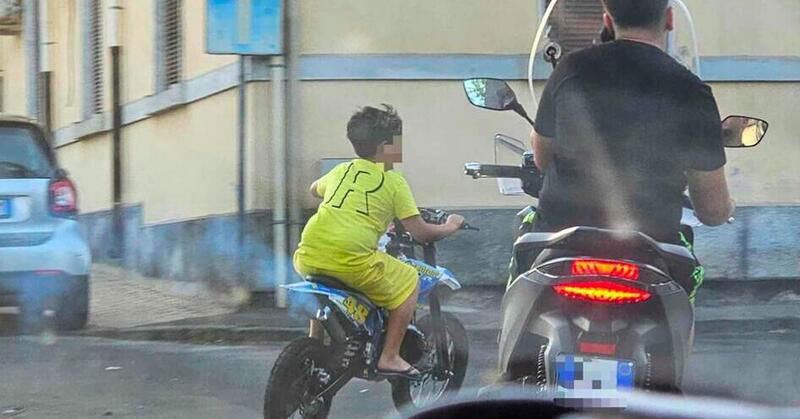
{"x": 430, "y": 389}
{"x": 296, "y": 378}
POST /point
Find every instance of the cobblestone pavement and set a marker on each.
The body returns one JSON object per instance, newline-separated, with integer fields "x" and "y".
{"x": 121, "y": 298}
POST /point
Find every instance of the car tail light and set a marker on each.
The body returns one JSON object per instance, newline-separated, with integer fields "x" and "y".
{"x": 602, "y": 292}
{"x": 614, "y": 269}
{"x": 597, "y": 348}
{"x": 63, "y": 198}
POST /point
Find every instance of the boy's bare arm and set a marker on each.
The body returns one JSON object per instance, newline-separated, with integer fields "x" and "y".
{"x": 426, "y": 233}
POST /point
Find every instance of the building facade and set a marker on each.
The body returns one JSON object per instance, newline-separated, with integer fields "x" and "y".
{"x": 180, "y": 121}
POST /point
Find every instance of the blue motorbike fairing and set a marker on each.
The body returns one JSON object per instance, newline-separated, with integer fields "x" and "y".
{"x": 430, "y": 276}
{"x": 363, "y": 313}
{"x": 371, "y": 322}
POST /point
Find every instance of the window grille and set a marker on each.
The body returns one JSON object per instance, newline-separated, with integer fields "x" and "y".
{"x": 575, "y": 24}
{"x": 95, "y": 56}
{"x": 170, "y": 48}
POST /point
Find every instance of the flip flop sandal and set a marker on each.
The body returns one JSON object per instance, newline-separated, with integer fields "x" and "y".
{"x": 410, "y": 374}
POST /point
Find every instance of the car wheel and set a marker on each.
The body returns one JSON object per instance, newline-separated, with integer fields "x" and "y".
{"x": 73, "y": 310}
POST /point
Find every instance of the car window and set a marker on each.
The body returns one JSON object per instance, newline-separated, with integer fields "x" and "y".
{"x": 21, "y": 155}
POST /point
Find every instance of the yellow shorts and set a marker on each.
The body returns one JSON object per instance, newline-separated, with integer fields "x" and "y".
{"x": 386, "y": 281}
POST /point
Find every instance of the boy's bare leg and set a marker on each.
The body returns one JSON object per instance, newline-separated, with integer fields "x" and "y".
{"x": 315, "y": 330}
{"x": 399, "y": 319}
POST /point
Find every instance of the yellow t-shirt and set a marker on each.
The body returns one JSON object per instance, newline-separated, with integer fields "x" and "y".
{"x": 360, "y": 200}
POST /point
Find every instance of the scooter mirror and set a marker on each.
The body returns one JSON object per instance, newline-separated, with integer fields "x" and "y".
{"x": 490, "y": 94}
{"x": 743, "y": 131}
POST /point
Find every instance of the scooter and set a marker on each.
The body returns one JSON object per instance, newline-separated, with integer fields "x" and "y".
{"x": 593, "y": 312}
{"x": 309, "y": 372}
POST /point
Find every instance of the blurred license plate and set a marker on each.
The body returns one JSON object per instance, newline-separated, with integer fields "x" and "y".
{"x": 589, "y": 378}
{"x": 5, "y": 208}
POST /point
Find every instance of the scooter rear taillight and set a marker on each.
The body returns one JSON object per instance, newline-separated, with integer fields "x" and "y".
{"x": 597, "y": 348}
{"x": 609, "y": 268}
{"x": 602, "y": 292}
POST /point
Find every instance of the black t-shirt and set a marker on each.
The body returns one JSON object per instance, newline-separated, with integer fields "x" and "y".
{"x": 627, "y": 122}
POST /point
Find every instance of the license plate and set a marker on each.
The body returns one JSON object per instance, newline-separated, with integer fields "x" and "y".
{"x": 5, "y": 208}
{"x": 601, "y": 382}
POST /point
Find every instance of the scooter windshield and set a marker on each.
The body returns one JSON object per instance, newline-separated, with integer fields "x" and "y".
{"x": 571, "y": 25}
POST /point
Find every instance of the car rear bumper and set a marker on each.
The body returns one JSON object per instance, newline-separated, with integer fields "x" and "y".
{"x": 66, "y": 252}
{"x": 19, "y": 286}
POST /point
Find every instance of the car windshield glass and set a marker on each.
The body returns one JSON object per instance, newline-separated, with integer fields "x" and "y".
{"x": 21, "y": 156}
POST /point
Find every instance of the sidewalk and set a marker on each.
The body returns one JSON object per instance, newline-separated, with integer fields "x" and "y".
{"x": 128, "y": 306}
{"x": 123, "y": 299}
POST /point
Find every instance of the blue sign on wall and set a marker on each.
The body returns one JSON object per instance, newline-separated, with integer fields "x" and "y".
{"x": 244, "y": 27}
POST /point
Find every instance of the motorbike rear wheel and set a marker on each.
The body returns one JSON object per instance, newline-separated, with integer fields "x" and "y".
{"x": 295, "y": 379}
{"x": 429, "y": 389}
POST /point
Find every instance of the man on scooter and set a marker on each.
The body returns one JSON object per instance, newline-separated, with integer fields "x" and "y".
{"x": 621, "y": 131}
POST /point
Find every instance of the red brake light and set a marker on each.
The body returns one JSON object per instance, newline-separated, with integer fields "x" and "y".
{"x": 602, "y": 292}
{"x": 614, "y": 269}
{"x": 63, "y": 198}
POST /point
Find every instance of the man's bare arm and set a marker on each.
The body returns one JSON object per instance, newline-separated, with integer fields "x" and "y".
{"x": 542, "y": 150}
{"x": 710, "y": 196}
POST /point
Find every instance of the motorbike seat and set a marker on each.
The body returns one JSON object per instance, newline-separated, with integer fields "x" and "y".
{"x": 332, "y": 282}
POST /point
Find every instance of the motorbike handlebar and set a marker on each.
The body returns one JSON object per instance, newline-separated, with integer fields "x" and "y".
{"x": 478, "y": 170}
{"x": 437, "y": 216}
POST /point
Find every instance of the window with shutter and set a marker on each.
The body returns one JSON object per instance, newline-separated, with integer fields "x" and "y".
{"x": 92, "y": 60}
{"x": 170, "y": 48}
{"x": 95, "y": 56}
{"x": 575, "y": 24}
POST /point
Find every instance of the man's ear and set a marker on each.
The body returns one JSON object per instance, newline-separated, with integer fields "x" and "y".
{"x": 670, "y": 21}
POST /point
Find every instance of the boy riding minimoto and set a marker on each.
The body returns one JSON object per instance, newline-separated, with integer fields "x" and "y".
{"x": 359, "y": 201}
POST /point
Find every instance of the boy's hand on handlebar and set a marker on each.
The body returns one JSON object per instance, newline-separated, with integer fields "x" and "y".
{"x": 455, "y": 220}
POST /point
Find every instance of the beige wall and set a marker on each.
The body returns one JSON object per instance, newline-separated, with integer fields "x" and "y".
{"x": 182, "y": 164}
{"x": 14, "y": 71}
{"x": 138, "y": 57}
{"x": 89, "y": 166}
{"x": 747, "y": 27}
{"x": 767, "y": 174}
{"x": 725, "y": 27}
{"x": 417, "y": 26}
{"x": 66, "y": 57}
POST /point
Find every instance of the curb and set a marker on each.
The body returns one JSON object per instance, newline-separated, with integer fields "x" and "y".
{"x": 223, "y": 335}
{"x": 199, "y": 334}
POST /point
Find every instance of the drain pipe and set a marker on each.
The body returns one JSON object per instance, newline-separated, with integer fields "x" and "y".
{"x": 296, "y": 191}
{"x": 279, "y": 219}
{"x": 31, "y": 35}
{"x": 115, "y": 45}
{"x": 45, "y": 72}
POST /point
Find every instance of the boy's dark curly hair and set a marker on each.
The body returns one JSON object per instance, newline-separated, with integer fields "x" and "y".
{"x": 370, "y": 127}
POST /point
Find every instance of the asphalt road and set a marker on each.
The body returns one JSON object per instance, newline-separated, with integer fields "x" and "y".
{"x": 86, "y": 377}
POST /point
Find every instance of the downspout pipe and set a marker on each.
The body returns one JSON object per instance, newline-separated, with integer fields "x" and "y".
{"x": 241, "y": 206}
{"x": 31, "y": 35}
{"x": 279, "y": 214}
{"x": 295, "y": 135}
{"x": 45, "y": 68}
{"x": 115, "y": 46}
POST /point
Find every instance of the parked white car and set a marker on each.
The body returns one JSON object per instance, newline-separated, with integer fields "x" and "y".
{"x": 44, "y": 257}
